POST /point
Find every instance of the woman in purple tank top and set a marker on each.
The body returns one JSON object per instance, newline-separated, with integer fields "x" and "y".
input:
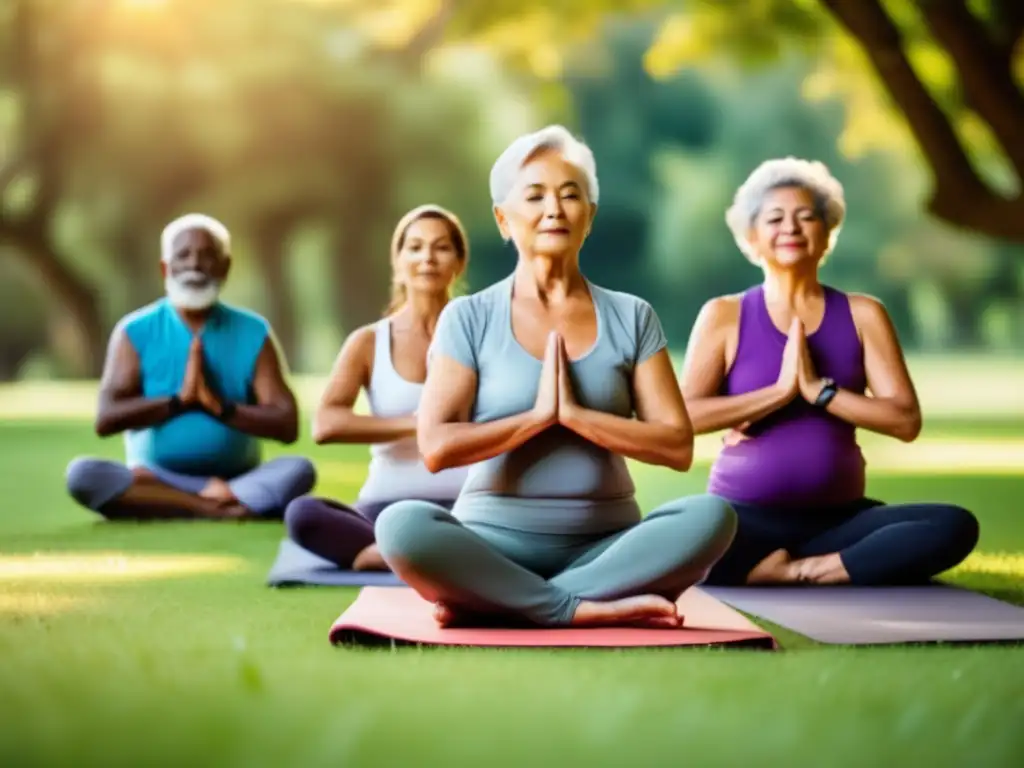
{"x": 785, "y": 367}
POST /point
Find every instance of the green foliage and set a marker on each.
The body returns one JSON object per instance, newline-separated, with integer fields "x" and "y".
{"x": 270, "y": 115}
{"x": 980, "y": 107}
{"x": 310, "y": 126}
{"x": 663, "y": 233}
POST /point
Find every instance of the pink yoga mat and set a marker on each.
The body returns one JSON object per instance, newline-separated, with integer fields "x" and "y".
{"x": 399, "y": 614}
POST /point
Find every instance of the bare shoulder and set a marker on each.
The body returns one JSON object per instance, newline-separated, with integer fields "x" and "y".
{"x": 719, "y": 314}
{"x": 120, "y": 347}
{"x": 361, "y": 341}
{"x": 869, "y": 313}
{"x": 356, "y": 355}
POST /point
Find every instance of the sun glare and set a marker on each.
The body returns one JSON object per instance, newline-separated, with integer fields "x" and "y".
{"x": 994, "y": 564}
{"x": 37, "y": 603}
{"x": 110, "y": 567}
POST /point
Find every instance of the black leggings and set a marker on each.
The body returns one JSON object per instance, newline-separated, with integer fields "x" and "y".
{"x": 335, "y": 531}
{"x": 880, "y": 544}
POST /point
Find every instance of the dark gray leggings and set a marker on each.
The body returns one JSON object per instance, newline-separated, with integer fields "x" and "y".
{"x": 879, "y": 544}
{"x": 543, "y": 577}
{"x": 335, "y": 531}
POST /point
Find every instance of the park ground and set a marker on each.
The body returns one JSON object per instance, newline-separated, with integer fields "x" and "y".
{"x": 160, "y": 645}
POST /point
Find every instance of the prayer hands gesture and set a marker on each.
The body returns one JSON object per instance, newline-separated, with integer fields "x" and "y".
{"x": 545, "y": 408}
{"x": 555, "y": 398}
{"x": 788, "y": 382}
{"x": 797, "y": 375}
{"x": 195, "y": 392}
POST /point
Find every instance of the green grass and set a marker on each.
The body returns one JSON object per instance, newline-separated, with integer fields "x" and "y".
{"x": 183, "y": 657}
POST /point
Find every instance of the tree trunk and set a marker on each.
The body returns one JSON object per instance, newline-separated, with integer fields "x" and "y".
{"x": 270, "y": 247}
{"x": 360, "y": 273}
{"x": 137, "y": 258}
{"x": 81, "y": 341}
{"x": 960, "y": 196}
{"x": 966, "y": 311}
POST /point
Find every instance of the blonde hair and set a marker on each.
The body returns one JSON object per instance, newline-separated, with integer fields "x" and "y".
{"x": 399, "y": 293}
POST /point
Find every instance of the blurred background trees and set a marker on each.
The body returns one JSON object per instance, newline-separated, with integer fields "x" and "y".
{"x": 309, "y": 126}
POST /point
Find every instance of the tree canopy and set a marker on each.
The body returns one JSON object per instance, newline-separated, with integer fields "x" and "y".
{"x": 309, "y": 126}
{"x": 943, "y": 76}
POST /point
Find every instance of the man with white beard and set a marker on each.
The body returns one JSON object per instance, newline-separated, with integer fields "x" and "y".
{"x": 194, "y": 384}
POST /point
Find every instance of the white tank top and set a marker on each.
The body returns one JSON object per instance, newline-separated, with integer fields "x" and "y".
{"x": 396, "y": 469}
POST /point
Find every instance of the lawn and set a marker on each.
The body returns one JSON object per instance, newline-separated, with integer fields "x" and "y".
{"x": 159, "y": 645}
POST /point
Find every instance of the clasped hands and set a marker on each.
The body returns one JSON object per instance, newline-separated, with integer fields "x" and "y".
{"x": 556, "y": 402}
{"x": 195, "y": 392}
{"x": 797, "y": 376}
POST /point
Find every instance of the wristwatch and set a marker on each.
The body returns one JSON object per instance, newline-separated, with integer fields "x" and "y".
{"x": 828, "y": 391}
{"x": 175, "y": 405}
{"x": 227, "y": 410}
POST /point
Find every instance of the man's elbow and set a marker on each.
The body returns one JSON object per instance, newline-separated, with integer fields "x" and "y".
{"x": 103, "y": 427}
{"x": 288, "y": 432}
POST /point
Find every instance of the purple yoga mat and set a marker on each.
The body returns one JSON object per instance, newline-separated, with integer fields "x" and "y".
{"x": 880, "y": 615}
{"x": 295, "y": 566}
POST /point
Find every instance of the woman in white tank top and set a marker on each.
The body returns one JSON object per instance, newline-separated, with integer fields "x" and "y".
{"x": 388, "y": 359}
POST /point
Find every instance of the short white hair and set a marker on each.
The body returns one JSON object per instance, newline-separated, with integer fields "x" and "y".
{"x": 813, "y": 176}
{"x": 200, "y": 221}
{"x": 515, "y": 156}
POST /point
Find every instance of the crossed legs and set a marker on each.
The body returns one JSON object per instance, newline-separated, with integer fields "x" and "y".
{"x": 120, "y": 493}
{"x": 630, "y": 576}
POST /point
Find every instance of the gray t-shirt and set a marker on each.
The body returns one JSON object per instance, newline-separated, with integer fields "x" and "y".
{"x": 556, "y": 482}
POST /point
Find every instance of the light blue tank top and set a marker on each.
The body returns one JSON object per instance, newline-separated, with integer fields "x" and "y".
{"x": 556, "y": 482}
{"x": 195, "y": 443}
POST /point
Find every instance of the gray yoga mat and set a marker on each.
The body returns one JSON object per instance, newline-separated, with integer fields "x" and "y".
{"x": 881, "y": 615}
{"x": 296, "y": 566}
{"x": 835, "y": 615}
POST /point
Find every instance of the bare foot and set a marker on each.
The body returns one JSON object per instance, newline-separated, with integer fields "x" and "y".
{"x": 774, "y": 569}
{"x": 443, "y": 615}
{"x": 644, "y": 611}
{"x": 217, "y": 490}
{"x": 234, "y": 511}
{"x": 369, "y": 559}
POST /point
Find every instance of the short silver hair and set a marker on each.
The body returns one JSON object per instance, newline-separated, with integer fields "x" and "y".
{"x": 812, "y": 176}
{"x": 200, "y": 221}
{"x": 516, "y": 155}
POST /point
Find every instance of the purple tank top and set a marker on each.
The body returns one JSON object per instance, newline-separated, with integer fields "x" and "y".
{"x": 799, "y": 456}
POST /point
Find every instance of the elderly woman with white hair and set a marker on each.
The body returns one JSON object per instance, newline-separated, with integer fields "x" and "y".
{"x": 535, "y": 382}
{"x": 785, "y": 368}
{"x": 193, "y": 383}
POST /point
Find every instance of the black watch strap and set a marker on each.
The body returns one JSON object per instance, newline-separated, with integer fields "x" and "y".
{"x": 827, "y": 393}
{"x": 175, "y": 405}
{"x": 227, "y": 410}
